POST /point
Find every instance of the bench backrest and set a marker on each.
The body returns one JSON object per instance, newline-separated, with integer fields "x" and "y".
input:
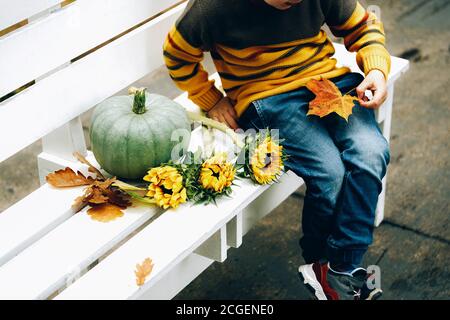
{"x": 59, "y": 59}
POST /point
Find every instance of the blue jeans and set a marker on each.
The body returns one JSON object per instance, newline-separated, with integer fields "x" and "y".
{"x": 342, "y": 165}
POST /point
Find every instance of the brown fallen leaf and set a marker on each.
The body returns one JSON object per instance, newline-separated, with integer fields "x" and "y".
{"x": 101, "y": 192}
{"x": 105, "y": 212}
{"x": 104, "y": 184}
{"x": 118, "y": 197}
{"x": 91, "y": 168}
{"x": 143, "y": 271}
{"x": 79, "y": 204}
{"x": 96, "y": 196}
{"x": 68, "y": 178}
{"x": 329, "y": 99}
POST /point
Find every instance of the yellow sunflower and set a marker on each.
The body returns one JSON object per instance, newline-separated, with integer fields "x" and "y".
{"x": 166, "y": 187}
{"x": 216, "y": 173}
{"x": 267, "y": 162}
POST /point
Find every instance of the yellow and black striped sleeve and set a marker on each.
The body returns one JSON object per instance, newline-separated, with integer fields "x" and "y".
{"x": 363, "y": 33}
{"x": 183, "y": 61}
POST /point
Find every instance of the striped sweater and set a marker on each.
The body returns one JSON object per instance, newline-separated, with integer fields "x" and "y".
{"x": 260, "y": 51}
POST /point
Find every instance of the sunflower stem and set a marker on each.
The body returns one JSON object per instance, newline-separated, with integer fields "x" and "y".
{"x": 216, "y": 125}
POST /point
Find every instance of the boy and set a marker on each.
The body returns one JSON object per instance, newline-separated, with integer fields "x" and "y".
{"x": 265, "y": 52}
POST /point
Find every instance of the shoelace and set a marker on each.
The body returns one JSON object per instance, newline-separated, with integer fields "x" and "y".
{"x": 357, "y": 294}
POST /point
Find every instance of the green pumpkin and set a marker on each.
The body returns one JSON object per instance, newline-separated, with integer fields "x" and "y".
{"x": 131, "y": 134}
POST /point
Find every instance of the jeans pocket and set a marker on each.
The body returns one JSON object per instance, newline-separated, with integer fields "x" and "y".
{"x": 259, "y": 109}
{"x": 252, "y": 118}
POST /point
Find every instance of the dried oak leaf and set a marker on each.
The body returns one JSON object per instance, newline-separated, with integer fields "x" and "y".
{"x": 91, "y": 168}
{"x": 68, "y": 178}
{"x": 329, "y": 99}
{"x": 102, "y": 192}
{"x": 96, "y": 196}
{"x": 79, "y": 204}
{"x": 104, "y": 184}
{"x": 118, "y": 197}
{"x": 105, "y": 212}
{"x": 143, "y": 270}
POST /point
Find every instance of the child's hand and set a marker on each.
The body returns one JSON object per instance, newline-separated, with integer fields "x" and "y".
{"x": 376, "y": 83}
{"x": 224, "y": 112}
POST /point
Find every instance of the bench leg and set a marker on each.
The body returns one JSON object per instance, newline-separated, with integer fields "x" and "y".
{"x": 59, "y": 145}
{"x": 386, "y": 129}
{"x": 234, "y": 231}
{"x": 215, "y": 248}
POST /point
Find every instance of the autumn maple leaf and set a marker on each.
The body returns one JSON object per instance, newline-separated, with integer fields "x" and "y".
{"x": 143, "y": 270}
{"x": 329, "y": 99}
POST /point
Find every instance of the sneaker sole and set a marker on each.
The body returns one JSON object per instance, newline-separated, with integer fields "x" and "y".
{"x": 309, "y": 279}
{"x": 375, "y": 294}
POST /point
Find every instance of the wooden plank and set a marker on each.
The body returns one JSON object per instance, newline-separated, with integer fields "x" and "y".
{"x": 11, "y": 12}
{"x": 67, "y": 33}
{"x": 175, "y": 280}
{"x": 45, "y": 266}
{"x": 82, "y": 85}
{"x": 33, "y": 217}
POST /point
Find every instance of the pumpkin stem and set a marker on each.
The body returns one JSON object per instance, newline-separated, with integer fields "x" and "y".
{"x": 139, "y": 100}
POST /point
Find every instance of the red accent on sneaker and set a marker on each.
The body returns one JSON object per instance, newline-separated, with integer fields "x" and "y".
{"x": 321, "y": 271}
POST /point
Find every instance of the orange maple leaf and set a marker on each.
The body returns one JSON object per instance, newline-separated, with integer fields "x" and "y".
{"x": 68, "y": 178}
{"x": 105, "y": 212}
{"x": 329, "y": 99}
{"x": 143, "y": 270}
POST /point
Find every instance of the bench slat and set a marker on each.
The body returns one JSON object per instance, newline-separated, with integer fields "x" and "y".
{"x": 32, "y": 217}
{"x": 67, "y": 33}
{"x": 12, "y": 12}
{"x": 69, "y": 92}
{"x": 45, "y": 266}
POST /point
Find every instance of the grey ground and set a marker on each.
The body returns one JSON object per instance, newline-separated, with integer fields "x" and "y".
{"x": 412, "y": 246}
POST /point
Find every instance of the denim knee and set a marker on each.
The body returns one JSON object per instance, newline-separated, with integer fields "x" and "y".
{"x": 373, "y": 156}
{"x": 327, "y": 185}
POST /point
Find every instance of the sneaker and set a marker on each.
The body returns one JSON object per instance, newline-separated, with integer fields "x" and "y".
{"x": 370, "y": 294}
{"x": 326, "y": 284}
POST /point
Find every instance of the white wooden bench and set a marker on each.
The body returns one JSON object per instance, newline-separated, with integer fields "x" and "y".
{"x": 45, "y": 250}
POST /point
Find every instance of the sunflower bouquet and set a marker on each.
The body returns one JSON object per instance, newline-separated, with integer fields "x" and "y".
{"x": 262, "y": 158}
{"x": 211, "y": 179}
{"x": 195, "y": 179}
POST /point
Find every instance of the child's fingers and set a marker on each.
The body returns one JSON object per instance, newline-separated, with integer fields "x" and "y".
{"x": 232, "y": 112}
{"x": 231, "y": 121}
{"x": 221, "y": 119}
{"x": 378, "y": 98}
{"x": 361, "y": 89}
